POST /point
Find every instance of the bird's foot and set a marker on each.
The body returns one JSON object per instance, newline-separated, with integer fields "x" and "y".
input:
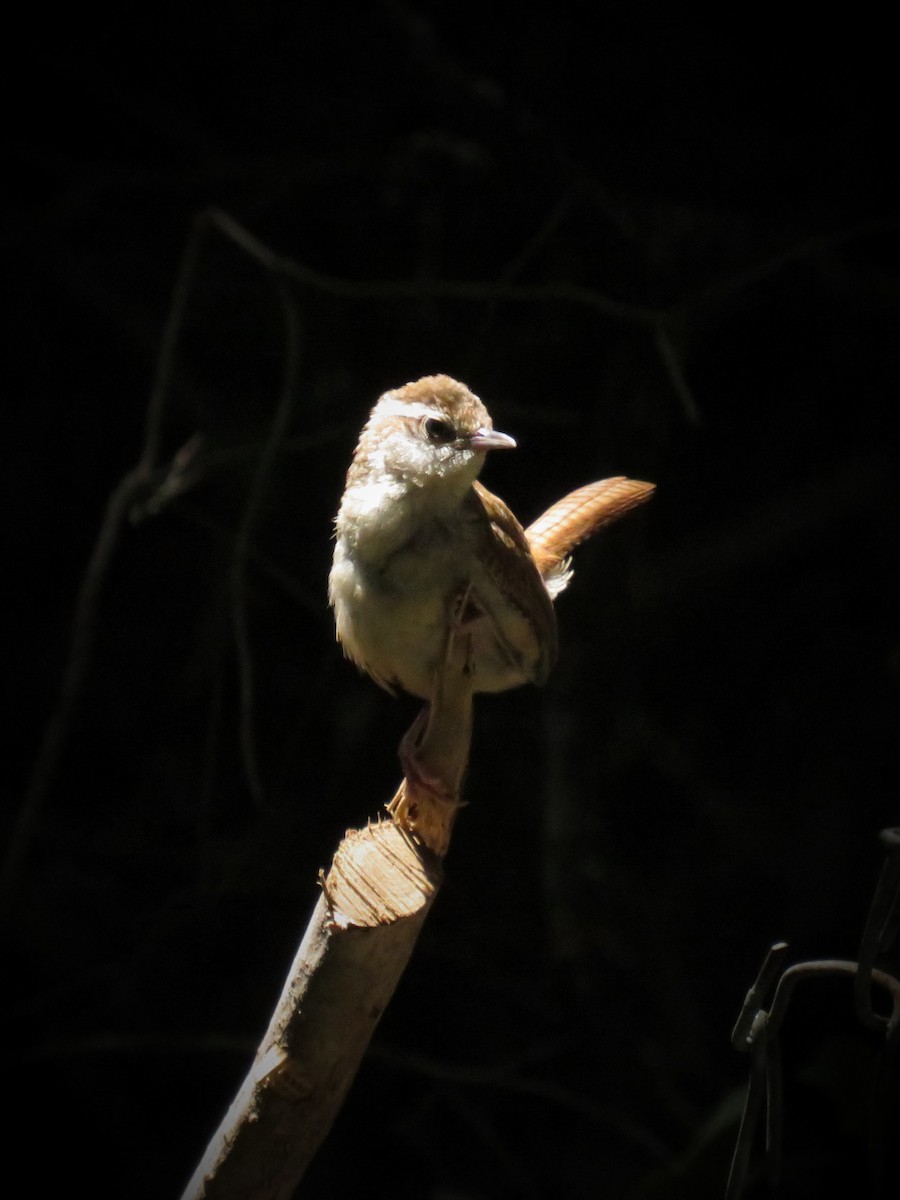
{"x": 427, "y": 800}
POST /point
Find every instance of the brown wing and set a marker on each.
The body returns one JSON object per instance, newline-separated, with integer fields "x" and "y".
{"x": 569, "y": 521}
{"x": 510, "y": 561}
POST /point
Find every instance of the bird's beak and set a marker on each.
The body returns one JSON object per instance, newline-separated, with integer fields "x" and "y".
{"x": 491, "y": 439}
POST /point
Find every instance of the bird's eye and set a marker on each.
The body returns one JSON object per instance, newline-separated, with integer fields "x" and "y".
{"x": 439, "y": 432}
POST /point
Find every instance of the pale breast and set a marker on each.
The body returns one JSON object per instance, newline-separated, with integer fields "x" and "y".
{"x": 393, "y": 610}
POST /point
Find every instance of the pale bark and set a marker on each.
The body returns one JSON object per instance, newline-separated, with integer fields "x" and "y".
{"x": 373, "y": 904}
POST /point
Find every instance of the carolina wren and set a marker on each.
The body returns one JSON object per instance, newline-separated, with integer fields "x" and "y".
{"x": 425, "y": 553}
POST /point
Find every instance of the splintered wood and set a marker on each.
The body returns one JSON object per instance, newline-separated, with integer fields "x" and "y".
{"x": 377, "y": 876}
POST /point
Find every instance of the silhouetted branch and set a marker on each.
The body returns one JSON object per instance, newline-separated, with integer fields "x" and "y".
{"x": 757, "y": 1028}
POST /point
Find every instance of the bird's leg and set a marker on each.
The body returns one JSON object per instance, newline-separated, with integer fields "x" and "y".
{"x": 434, "y": 752}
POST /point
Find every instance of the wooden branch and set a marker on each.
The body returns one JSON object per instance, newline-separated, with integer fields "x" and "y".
{"x": 374, "y": 901}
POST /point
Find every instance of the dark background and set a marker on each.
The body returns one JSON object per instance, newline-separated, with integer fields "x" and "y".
{"x": 709, "y": 767}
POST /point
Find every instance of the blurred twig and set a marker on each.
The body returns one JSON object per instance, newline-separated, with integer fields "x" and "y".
{"x": 507, "y": 1077}
{"x": 805, "y": 248}
{"x": 143, "y": 491}
{"x": 132, "y": 485}
{"x": 261, "y": 474}
{"x": 492, "y": 292}
{"x": 439, "y": 289}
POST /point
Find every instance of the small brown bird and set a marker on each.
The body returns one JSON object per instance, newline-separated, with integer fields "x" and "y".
{"x": 425, "y": 553}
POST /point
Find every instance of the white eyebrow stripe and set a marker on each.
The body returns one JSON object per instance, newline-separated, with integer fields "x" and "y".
{"x": 390, "y": 406}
